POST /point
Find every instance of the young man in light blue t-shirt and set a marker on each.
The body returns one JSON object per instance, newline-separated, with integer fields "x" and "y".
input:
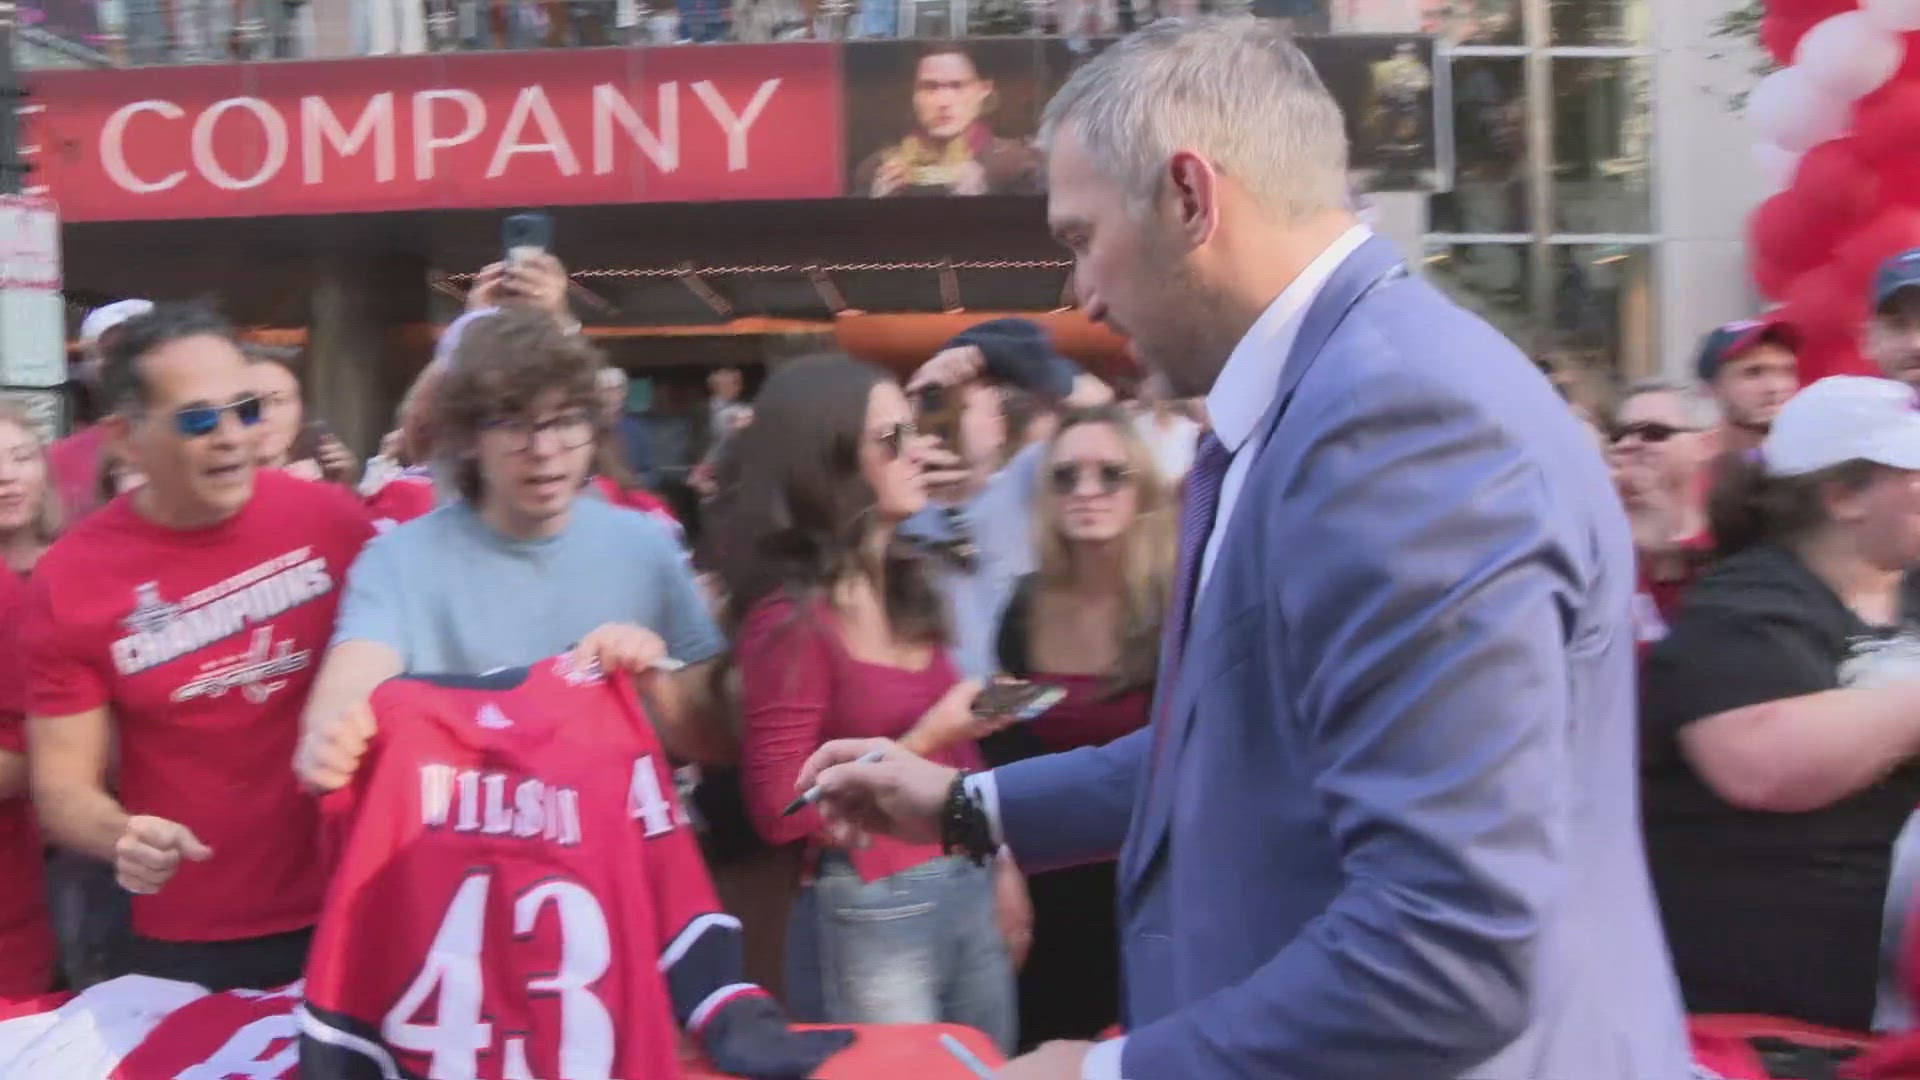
{"x": 522, "y": 566}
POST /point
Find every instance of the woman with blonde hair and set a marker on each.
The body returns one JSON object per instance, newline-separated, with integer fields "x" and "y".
{"x": 29, "y": 517}
{"x": 29, "y": 502}
{"x": 1088, "y": 621}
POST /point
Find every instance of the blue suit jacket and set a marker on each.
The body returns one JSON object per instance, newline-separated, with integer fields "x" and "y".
{"x": 1402, "y": 839}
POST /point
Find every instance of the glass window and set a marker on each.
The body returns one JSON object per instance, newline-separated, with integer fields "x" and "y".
{"x": 1598, "y": 22}
{"x": 1490, "y": 149}
{"x": 1602, "y": 127}
{"x": 1489, "y": 280}
{"x": 1603, "y": 309}
{"x": 1472, "y": 22}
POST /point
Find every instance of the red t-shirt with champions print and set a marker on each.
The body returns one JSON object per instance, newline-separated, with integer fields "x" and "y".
{"x": 203, "y": 644}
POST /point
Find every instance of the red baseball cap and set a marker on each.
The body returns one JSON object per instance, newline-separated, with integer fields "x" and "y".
{"x": 1729, "y": 341}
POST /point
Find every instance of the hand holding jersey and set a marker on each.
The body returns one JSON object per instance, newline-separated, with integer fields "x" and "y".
{"x": 150, "y": 850}
{"x": 622, "y": 647}
{"x": 516, "y": 873}
{"x": 330, "y": 751}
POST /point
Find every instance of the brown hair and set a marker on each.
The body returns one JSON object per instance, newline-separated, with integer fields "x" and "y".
{"x": 1151, "y": 549}
{"x": 794, "y": 510}
{"x": 503, "y": 364}
{"x": 1749, "y": 507}
{"x": 286, "y": 358}
{"x": 47, "y": 518}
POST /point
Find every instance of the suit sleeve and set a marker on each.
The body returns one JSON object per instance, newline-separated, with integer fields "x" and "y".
{"x": 1425, "y": 649}
{"x": 1072, "y": 808}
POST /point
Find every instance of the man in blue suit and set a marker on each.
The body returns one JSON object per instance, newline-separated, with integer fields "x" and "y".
{"x": 1384, "y": 825}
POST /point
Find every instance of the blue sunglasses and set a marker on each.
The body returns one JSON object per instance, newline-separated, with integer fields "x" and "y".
{"x": 197, "y": 420}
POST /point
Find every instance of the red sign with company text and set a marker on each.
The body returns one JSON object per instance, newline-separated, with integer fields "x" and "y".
{"x": 486, "y": 130}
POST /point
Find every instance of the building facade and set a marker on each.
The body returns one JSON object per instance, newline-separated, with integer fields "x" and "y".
{"x": 1602, "y": 175}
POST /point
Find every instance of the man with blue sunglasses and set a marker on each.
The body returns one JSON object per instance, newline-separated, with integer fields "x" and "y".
{"x": 184, "y": 622}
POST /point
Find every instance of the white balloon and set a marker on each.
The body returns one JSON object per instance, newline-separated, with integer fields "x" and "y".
{"x": 1893, "y": 16}
{"x": 1776, "y": 165}
{"x": 1848, "y": 56}
{"x": 1787, "y": 109}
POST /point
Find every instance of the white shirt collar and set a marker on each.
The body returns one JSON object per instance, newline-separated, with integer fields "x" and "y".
{"x": 1246, "y": 385}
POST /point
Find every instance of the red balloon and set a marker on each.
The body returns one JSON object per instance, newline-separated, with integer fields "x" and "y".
{"x": 1835, "y": 188}
{"x": 1780, "y": 34}
{"x": 1887, "y": 120}
{"x": 1827, "y": 308}
{"x": 1786, "y": 238}
{"x": 1896, "y": 229}
{"x": 1900, "y": 177}
{"x": 1772, "y": 278}
{"x": 1833, "y": 359}
{"x": 1910, "y": 67}
{"x": 1810, "y": 10}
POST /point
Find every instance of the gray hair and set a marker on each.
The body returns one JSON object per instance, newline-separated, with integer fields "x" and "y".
{"x": 1700, "y": 410}
{"x": 1235, "y": 89}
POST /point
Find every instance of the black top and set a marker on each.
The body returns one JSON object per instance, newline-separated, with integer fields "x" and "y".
{"x": 1768, "y": 912}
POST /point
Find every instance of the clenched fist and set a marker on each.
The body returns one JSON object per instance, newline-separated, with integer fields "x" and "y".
{"x": 149, "y": 851}
{"x": 331, "y": 752}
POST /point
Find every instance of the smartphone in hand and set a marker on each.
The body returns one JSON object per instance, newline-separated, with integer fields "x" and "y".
{"x": 525, "y": 234}
{"x": 1017, "y": 698}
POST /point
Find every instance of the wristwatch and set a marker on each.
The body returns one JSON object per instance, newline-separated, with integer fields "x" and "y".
{"x": 964, "y": 829}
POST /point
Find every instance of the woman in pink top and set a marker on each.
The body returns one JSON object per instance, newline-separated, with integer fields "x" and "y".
{"x": 841, "y": 634}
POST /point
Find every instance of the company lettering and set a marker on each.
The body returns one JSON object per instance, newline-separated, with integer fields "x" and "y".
{"x": 333, "y": 143}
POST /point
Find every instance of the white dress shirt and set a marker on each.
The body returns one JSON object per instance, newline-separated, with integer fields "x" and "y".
{"x": 1240, "y": 397}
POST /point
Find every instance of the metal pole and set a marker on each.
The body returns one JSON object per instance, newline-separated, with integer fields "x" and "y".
{"x": 13, "y": 171}
{"x": 1536, "y": 34}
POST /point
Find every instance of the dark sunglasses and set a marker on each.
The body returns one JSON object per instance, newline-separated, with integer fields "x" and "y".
{"x": 197, "y": 420}
{"x": 1109, "y": 475}
{"x": 1648, "y": 431}
{"x": 894, "y": 439}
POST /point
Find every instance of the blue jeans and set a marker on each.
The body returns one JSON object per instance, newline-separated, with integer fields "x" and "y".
{"x": 918, "y": 947}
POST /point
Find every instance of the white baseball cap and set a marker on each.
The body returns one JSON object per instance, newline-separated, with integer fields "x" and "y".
{"x": 1844, "y": 418}
{"x": 107, "y": 316}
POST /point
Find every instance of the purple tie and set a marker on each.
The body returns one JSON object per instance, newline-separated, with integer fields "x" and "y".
{"x": 1198, "y": 506}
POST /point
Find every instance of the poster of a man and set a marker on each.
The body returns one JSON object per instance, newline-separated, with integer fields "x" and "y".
{"x": 952, "y": 149}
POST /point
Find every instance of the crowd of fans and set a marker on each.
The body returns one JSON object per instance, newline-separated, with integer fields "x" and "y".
{"x": 870, "y": 557}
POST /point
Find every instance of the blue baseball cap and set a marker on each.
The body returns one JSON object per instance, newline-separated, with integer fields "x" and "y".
{"x": 1729, "y": 341}
{"x": 1897, "y": 273}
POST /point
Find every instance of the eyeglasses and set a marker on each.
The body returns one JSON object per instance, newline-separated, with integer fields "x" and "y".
{"x": 895, "y": 437}
{"x": 570, "y": 430}
{"x": 1648, "y": 431}
{"x": 1108, "y": 476}
{"x": 194, "y": 421}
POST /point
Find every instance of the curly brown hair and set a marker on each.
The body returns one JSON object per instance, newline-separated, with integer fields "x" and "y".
{"x": 502, "y": 366}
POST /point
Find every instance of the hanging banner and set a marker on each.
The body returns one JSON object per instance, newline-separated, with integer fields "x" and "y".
{"x": 481, "y": 130}
{"x": 608, "y": 126}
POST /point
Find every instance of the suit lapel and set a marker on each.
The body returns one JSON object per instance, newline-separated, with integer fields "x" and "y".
{"x": 1370, "y": 264}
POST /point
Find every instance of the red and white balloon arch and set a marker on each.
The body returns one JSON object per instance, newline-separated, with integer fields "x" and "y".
{"x": 1839, "y": 139}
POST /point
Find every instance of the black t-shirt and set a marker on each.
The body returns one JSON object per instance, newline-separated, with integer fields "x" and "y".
{"x": 1768, "y": 912}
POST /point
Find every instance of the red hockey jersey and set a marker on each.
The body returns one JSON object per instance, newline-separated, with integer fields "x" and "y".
{"x": 517, "y": 894}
